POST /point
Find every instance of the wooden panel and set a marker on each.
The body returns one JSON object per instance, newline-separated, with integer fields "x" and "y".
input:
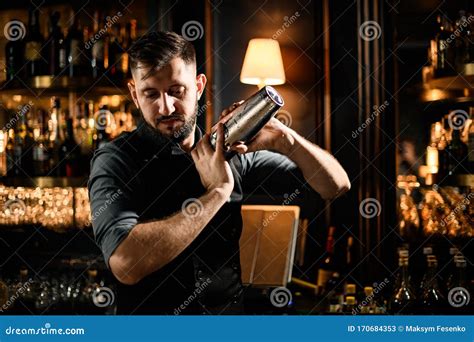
{"x": 268, "y": 244}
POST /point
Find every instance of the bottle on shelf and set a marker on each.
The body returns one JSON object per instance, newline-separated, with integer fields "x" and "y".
{"x": 33, "y": 45}
{"x": 55, "y": 137}
{"x": 470, "y": 142}
{"x": 431, "y": 296}
{"x": 403, "y": 298}
{"x": 22, "y": 149}
{"x": 457, "y": 154}
{"x": 100, "y": 47}
{"x": 101, "y": 135}
{"x": 70, "y": 153}
{"x": 77, "y": 61}
{"x": 41, "y": 162}
{"x": 328, "y": 265}
{"x": 14, "y": 56}
{"x": 55, "y": 47}
{"x": 445, "y": 51}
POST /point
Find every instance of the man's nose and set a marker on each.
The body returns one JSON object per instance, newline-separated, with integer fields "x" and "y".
{"x": 167, "y": 105}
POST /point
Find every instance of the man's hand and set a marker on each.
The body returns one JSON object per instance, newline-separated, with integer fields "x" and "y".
{"x": 211, "y": 164}
{"x": 274, "y": 136}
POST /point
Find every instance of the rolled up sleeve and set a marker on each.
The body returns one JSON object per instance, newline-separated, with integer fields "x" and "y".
{"x": 113, "y": 210}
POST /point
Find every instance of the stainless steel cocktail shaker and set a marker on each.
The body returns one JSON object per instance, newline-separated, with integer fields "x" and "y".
{"x": 249, "y": 118}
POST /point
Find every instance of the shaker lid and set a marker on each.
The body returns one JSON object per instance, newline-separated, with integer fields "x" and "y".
{"x": 274, "y": 95}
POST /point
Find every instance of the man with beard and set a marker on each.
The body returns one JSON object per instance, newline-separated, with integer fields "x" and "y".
{"x": 166, "y": 206}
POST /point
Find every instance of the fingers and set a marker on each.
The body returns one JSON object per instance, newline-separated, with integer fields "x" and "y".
{"x": 206, "y": 145}
{"x": 230, "y": 109}
{"x": 240, "y": 148}
{"x": 220, "y": 142}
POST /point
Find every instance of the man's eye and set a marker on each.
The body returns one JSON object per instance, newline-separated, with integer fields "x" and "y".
{"x": 151, "y": 95}
{"x": 178, "y": 92}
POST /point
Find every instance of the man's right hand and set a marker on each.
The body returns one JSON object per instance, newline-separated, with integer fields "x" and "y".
{"x": 214, "y": 170}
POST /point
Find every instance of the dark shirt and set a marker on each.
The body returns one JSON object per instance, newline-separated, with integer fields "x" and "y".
{"x": 135, "y": 179}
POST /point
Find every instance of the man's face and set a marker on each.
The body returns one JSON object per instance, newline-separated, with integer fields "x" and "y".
{"x": 168, "y": 98}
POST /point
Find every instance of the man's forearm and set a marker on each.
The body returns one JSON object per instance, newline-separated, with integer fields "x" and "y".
{"x": 152, "y": 245}
{"x": 320, "y": 169}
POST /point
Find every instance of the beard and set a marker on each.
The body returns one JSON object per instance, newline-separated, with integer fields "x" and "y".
{"x": 179, "y": 134}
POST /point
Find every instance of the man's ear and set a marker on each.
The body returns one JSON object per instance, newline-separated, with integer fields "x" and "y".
{"x": 133, "y": 92}
{"x": 201, "y": 81}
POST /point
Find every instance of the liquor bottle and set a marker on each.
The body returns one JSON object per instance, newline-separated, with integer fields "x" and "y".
{"x": 22, "y": 152}
{"x": 403, "y": 298}
{"x": 101, "y": 136}
{"x": 115, "y": 52}
{"x": 132, "y": 37}
{"x": 333, "y": 295}
{"x": 457, "y": 154}
{"x": 12, "y": 169}
{"x": 54, "y": 46}
{"x": 367, "y": 305}
{"x": 458, "y": 276}
{"x": 443, "y": 160}
{"x": 100, "y": 47}
{"x": 14, "y": 56}
{"x": 55, "y": 141}
{"x": 328, "y": 265}
{"x": 76, "y": 55}
{"x": 33, "y": 45}
{"x": 41, "y": 162}
{"x": 70, "y": 153}
{"x": 350, "y": 305}
{"x": 445, "y": 49}
{"x": 431, "y": 297}
{"x": 470, "y": 155}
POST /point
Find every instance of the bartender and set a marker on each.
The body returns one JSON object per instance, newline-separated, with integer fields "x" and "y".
{"x": 166, "y": 206}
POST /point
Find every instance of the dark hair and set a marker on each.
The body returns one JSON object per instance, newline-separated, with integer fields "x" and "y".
{"x": 156, "y": 49}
